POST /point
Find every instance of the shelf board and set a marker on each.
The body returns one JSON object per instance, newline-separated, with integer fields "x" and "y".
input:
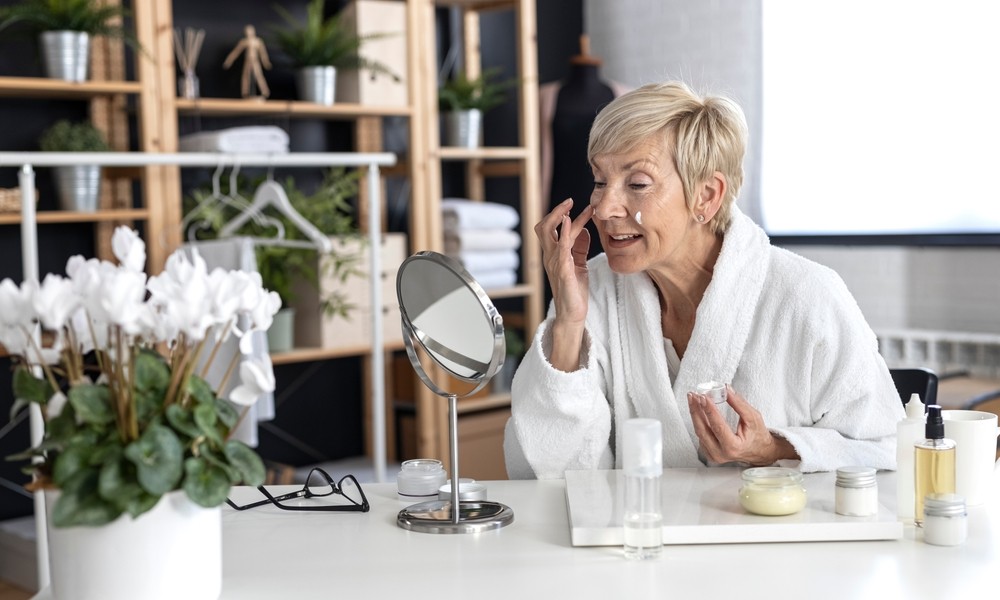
{"x": 477, "y": 4}
{"x": 223, "y": 107}
{"x": 43, "y": 87}
{"x": 63, "y": 216}
{"x": 513, "y": 292}
{"x": 488, "y": 153}
{"x": 471, "y": 405}
{"x": 298, "y": 355}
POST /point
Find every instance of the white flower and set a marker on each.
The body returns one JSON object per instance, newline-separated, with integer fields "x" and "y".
{"x": 16, "y": 308}
{"x": 55, "y": 301}
{"x": 182, "y": 293}
{"x": 54, "y": 407}
{"x": 15, "y": 338}
{"x": 256, "y": 378}
{"x": 129, "y": 249}
{"x": 122, "y": 299}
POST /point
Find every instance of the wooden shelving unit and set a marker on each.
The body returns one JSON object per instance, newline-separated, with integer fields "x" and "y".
{"x": 157, "y": 109}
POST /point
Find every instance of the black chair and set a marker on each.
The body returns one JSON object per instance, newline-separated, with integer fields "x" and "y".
{"x": 919, "y": 381}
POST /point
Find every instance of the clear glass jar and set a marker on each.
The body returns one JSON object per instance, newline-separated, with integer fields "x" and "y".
{"x": 772, "y": 491}
{"x": 420, "y": 478}
{"x": 856, "y": 494}
{"x": 945, "y": 520}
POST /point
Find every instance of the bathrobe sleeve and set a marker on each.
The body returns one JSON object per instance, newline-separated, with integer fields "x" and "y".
{"x": 849, "y": 416}
{"x": 560, "y": 420}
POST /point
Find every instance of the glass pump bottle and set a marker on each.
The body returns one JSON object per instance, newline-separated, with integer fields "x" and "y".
{"x": 934, "y": 463}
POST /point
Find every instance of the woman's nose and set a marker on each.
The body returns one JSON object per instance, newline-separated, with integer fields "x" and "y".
{"x": 608, "y": 204}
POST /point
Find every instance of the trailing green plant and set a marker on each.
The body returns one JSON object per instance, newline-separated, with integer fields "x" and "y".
{"x": 328, "y": 208}
{"x": 36, "y": 16}
{"x": 66, "y": 136}
{"x": 321, "y": 42}
{"x": 480, "y": 93}
{"x": 513, "y": 342}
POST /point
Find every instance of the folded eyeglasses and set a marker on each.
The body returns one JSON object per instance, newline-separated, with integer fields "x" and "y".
{"x": 318, "y": 484}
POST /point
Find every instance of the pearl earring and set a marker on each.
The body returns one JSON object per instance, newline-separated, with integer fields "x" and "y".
{"x": 701, "y": 218}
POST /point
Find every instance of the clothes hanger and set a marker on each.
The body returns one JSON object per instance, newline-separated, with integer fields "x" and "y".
{"x": 271, "y": 193}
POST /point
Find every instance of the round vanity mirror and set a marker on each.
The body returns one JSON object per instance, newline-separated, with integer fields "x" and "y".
{"x": 446, "y": 313}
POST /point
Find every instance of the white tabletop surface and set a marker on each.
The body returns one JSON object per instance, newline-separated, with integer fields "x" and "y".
{"x": 270, "y": 554}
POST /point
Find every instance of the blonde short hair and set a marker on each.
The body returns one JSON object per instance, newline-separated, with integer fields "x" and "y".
{"x": 704, "y": 134}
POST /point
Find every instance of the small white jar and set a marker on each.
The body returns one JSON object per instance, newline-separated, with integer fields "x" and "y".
{"x": 945, "y": 520}
{"x": 856, "y": 494}
{"x": 772, "y": 491}
{"x": 419, "y": 479}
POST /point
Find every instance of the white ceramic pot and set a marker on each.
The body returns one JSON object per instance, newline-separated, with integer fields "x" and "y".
{"x": 173, "y": 551}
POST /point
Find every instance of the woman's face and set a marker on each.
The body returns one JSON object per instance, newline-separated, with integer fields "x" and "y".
{"x": 642, "y": 180}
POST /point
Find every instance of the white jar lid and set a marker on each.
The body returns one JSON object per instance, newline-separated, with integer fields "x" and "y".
{"x": 467, "y": 490}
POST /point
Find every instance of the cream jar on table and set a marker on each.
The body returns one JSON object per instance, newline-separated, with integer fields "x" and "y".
{"x": 772, "y": 491}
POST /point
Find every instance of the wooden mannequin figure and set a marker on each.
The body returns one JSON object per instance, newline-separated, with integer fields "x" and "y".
{"x": 567, "y": 110}
{"x": 255, "y": 57}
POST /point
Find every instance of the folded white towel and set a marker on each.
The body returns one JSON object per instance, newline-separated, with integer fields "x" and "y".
{"x": 460, "y": 213}
{"x": 495, "y": 279}
{"x": 488, "y": 260}
{"x": 267, "y": 138}
{"x": 480, "y": 239}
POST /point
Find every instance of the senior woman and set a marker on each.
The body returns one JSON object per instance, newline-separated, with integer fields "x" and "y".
{"x": 689, "y": 290}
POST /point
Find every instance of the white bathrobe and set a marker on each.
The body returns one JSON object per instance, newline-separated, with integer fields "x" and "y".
{"x": 784, "y": 331}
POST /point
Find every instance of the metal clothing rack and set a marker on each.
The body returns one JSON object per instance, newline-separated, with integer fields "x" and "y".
{"x": 29, "y": 256}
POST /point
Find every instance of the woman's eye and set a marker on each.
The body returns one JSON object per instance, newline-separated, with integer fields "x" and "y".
{"x": 599, "y": 185}
{"x": 638, "y": 186}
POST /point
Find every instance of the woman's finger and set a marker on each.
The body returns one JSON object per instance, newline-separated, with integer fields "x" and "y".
{"x": 709, "y": 443}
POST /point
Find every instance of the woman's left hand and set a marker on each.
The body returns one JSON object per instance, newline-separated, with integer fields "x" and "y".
{"x": 752, "y": 443}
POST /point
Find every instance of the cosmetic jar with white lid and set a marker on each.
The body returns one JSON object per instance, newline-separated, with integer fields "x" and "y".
{"x": 772, "y": 491}
{"x": 419, "y": 479}
{"x": 468, "y": 489}
{"x": 945, "y": 520}
{"x": 856, "y": 494}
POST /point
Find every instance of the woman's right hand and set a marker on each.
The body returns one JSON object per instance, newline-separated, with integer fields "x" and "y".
{"x": 565, "y": 244}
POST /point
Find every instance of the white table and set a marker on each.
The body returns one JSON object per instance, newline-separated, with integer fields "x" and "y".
{"x": 269, "y": 554}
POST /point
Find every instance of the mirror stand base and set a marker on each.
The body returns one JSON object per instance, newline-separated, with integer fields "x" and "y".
{"x": 473, "y": 517}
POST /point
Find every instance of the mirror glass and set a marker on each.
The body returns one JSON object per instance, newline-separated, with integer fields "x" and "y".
{"x": 450, "y": 316}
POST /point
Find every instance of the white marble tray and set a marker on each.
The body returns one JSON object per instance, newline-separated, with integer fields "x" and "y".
{"x": 701, "y": 506}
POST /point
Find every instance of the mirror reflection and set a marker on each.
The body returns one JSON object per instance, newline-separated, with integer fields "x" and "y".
{"x": 449, "y": 320}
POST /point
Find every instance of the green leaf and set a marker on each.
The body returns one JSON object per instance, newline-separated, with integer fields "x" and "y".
{"x": 62, "y": 428}
{"x": 206, "y": 484}
{"x": 140, "y": 504}
{"x": 220, "y": 461}
{"x": 80, "y": 504}
{"x": 117, "y": 484}
{"x": 70, "y": 462}
{"x": 158, "y": 457}
{"x": 182, "y": 420}
{"x": 152, "y": 378}
{"x": 200, "y": 390}
{"x": 204, "y": 416}
{"x": 19, "y": 405}
{"x": 226, "y": 413}
{"x": 246, "y": 462}
{"x": 92, "y": 403}
{"x": 28, "y": 387}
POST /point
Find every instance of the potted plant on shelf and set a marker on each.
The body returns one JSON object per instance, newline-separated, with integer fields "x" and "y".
{"x": 64, "y": 29}
{"x": 282, "y": 268}
{"x": 318, "y": 47}
{"x": 463, "y": 101}
{"x": 136, "y": 453}
{"x": 78, "y": 186}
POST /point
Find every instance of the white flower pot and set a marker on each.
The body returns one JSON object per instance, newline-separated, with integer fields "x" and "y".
{"x": 173, "y": 551}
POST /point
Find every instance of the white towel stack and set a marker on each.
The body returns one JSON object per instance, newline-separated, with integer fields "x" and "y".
{"x": 483, "y": 237}
{"x": 263, "y": 139}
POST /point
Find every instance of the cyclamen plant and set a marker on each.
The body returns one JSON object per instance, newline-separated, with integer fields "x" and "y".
{"x": 120, "y": 379}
